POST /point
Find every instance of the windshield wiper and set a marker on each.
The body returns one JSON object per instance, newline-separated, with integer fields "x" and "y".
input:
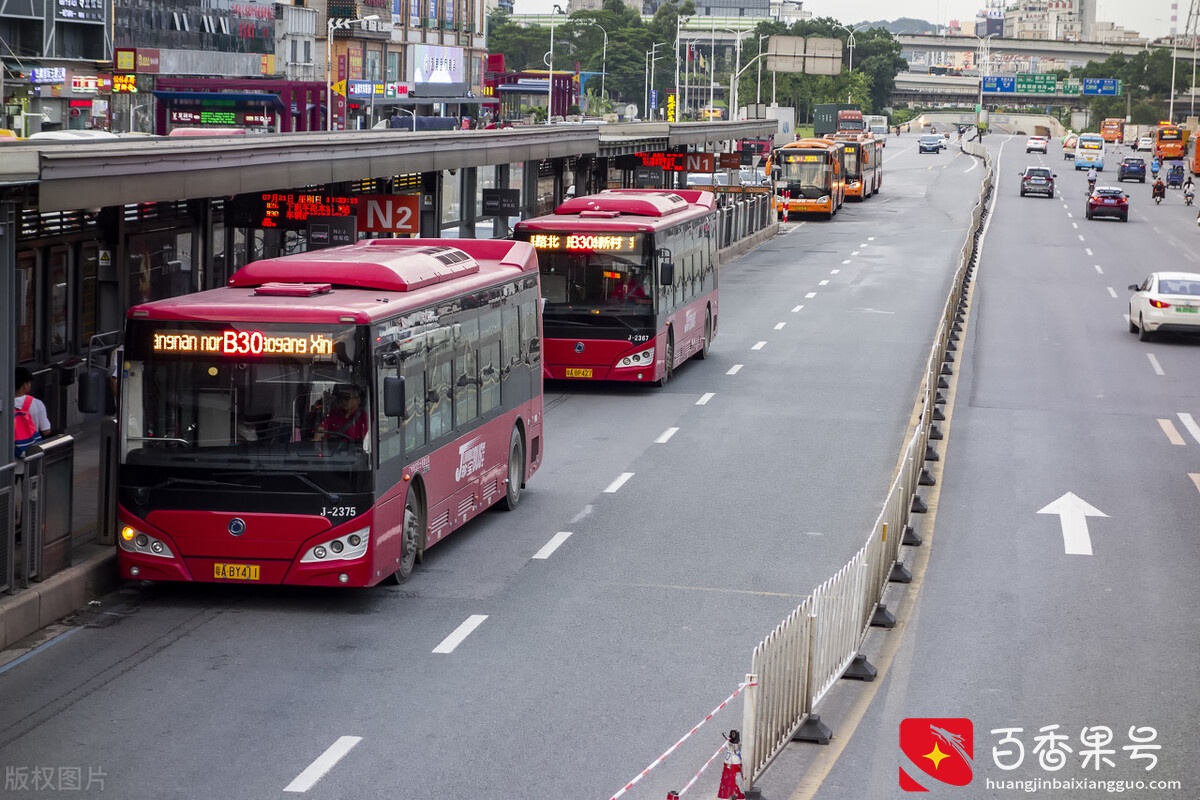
{"x": 194, "y": 482}
{"x": 331, "y": 496}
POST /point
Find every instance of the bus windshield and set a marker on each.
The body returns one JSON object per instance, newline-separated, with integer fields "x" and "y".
{"x": 616, "y": 279}
{"x": 245, "y": 396}
{"x": 1170, "y": 134}
{"x": 807, "y": 173}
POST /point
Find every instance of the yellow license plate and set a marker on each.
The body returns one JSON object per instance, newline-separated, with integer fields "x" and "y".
{"x": 236, "y": 572}
{"x": 578, "y": 373}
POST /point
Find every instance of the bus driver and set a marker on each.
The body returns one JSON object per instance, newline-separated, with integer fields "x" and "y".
{"x": 348, "y": 420}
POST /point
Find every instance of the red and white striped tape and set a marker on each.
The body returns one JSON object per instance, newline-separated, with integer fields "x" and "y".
{"x": 696, "y": 777}
{"x": 682, "y": 739}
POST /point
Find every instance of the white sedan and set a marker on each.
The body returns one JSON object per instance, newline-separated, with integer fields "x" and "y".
{"x": 1145, "y": 143}
{"x": 1165, "y": 301}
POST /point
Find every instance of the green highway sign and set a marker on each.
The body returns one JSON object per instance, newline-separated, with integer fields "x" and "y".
{"x": 1036, "y": 84}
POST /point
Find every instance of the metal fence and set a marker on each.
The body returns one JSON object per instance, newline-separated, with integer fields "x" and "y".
{"x": 46, "y": 502}
{"x": 794, "y": 667}
{"x": 740, "y": 217}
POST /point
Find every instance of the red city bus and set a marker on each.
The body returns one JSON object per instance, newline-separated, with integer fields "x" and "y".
{"x": 629, "y": 278}
{"x": 808, "y": 177}
{"x": 327, "y": 416}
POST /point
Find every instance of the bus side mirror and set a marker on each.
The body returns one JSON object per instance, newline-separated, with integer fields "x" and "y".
{"x": 393, "y": 396}
{"x": 666, "y": 273}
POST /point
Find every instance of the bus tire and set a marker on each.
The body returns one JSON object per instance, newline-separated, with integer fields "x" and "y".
{"x": 668, "y": 359}
{"x": 412, "y": 534}
{"x": 516, "y": 471}
{"x": 707, "y": 334}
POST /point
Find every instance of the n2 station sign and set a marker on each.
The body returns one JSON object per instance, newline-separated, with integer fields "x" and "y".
{"x": 1046, "y": 84}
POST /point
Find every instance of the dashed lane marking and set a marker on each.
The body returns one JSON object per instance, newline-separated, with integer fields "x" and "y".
{"x": 460, "y": 633}
{"x": 704, "y": 398}
{"x": 735, "y": 369}
{"x": 1191, "y": 425}
{"x": 618, "y": 483}
{"x": 325, "y": 762}
{"x": 759, "y": 345}
{"x": 666, "y": 435}
{"x": 555, "y": 541}
{"x": 1172, "y": 433}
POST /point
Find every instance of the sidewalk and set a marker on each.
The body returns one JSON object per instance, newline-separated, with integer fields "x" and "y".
{"x": 93, "y": 570}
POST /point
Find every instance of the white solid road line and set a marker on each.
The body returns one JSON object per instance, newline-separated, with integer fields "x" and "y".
{"x": 552, "y": 545}
{"x": 759, "y": 345}
{"x": 704, "y": 398}
{"x": 618, "y": 483}
{"x": 1158, "y": 370}
{"x": 461, "y": 632}
{"x": 735, "y": 369}
{"x": 1191, "y": 425}
{"x": 1172, "y": 433}
{"x": 666, "y": 435}
{"x": 325, "y": 762}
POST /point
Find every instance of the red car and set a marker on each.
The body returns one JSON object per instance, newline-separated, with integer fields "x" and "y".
{"x": 1108, "y": 201}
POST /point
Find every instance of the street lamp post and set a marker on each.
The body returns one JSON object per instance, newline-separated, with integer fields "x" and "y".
{"x": 1174, "y": 61}
{"x": 335, "y": 24}
{"x": 549, "y": 59}
{"x": 651, "y": 57}
{"x": 737, "y": 73}
{"x": 603, "y": 57}
{"x": 758, "y": 92}
{"x": 983, "y": 61}
{"x": 850, "y": 44}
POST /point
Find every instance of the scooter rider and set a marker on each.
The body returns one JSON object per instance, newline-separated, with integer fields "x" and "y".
{"x": 1159, "y": 190}
{"x": 1091, "y": 178}
{"x": 1189, "y": 191}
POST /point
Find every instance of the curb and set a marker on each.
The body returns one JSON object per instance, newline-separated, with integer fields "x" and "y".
{"x": 45, "y": 602}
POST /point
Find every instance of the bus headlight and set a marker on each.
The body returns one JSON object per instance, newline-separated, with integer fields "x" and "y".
{"x": 132, "y": 540}
{"x": 343, "y": 548}
{"x": 639, "y": 359}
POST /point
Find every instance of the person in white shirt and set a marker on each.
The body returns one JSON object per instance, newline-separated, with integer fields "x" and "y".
{"x": 27, "y": 409}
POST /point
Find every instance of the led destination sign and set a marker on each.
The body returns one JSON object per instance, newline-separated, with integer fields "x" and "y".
{"x": 242, "y": 343}
{"x": 586, "y": 242}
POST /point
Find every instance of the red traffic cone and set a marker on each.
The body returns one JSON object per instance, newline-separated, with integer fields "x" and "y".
{"x": 731, "y": 770}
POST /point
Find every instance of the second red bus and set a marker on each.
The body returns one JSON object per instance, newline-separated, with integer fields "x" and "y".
{"x": 629, "y": 278}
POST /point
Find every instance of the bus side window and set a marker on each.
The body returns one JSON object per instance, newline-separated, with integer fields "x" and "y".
{"x": 439, "y": 407}
{"x": 510, "y": 344}
{"x": 530, "y": 343}
{"x": 466, "y": 372}
{"x": 489, "y": 360}
{"x": 412, "y": 369}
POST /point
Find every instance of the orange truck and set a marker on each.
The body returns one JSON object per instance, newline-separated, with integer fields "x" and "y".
{"x": 1113, "y": 130}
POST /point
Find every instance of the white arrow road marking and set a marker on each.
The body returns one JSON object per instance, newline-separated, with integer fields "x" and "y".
{"x": 1072, "y": 514}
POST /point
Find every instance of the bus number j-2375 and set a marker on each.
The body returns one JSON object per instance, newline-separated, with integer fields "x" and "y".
{"x": 338, "y": 511}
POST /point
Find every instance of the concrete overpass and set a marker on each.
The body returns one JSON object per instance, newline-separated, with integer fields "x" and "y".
{"x": 1074, "y": 53}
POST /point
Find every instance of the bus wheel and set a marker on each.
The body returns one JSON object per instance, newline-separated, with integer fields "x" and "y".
{"x": 516, "y": 471}
{"x": 668, "y": 359}
{"x": 412, "y": 541}
{"x": 707, "y": 334}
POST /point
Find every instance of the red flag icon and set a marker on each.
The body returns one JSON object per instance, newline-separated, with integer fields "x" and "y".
{"x": 942, "y": 748}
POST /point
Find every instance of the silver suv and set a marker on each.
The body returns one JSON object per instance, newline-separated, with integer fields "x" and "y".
{"x": 1037, "y": 180}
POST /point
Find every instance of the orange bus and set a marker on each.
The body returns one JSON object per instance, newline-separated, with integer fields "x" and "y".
{"x": 1170, "y": 142}
{"x": 808, "y": 176}
{"x": 864, "y": 164}
{"x": 1113, "y": 130}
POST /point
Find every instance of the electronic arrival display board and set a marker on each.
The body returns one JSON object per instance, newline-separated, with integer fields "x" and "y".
{"x": 239, "y": 343}
{"x": 587, "y": 242}
{"x": 287, "y": 210}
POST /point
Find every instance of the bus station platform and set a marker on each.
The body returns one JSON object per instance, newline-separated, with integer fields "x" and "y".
{"x": 93, "y": 569}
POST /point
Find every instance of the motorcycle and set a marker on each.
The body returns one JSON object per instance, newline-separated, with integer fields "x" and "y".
{"x": 1188, "y": 197}
{"x": 1160, "y": 191}
{"x": 1091, "y": 186}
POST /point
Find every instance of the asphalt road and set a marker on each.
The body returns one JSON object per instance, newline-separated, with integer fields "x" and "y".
{"x": 1016, "y": 624}
{"x": 698, "y": 517}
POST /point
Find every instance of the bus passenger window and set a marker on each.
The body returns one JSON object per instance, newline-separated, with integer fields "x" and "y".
{"x": 438, "y": 408}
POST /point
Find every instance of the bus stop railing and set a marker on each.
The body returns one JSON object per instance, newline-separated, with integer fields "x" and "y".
{"x": 8, "y": 526}
{"x": 46, "y": 504}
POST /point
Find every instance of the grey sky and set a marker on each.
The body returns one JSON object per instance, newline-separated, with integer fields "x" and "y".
{"x": 1149, "y": 17}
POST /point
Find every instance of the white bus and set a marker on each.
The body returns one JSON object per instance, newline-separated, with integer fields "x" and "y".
{"x": 1089, "y": 151}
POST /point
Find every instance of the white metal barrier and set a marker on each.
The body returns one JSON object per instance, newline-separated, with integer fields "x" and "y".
{"x": 796, "y": 664}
